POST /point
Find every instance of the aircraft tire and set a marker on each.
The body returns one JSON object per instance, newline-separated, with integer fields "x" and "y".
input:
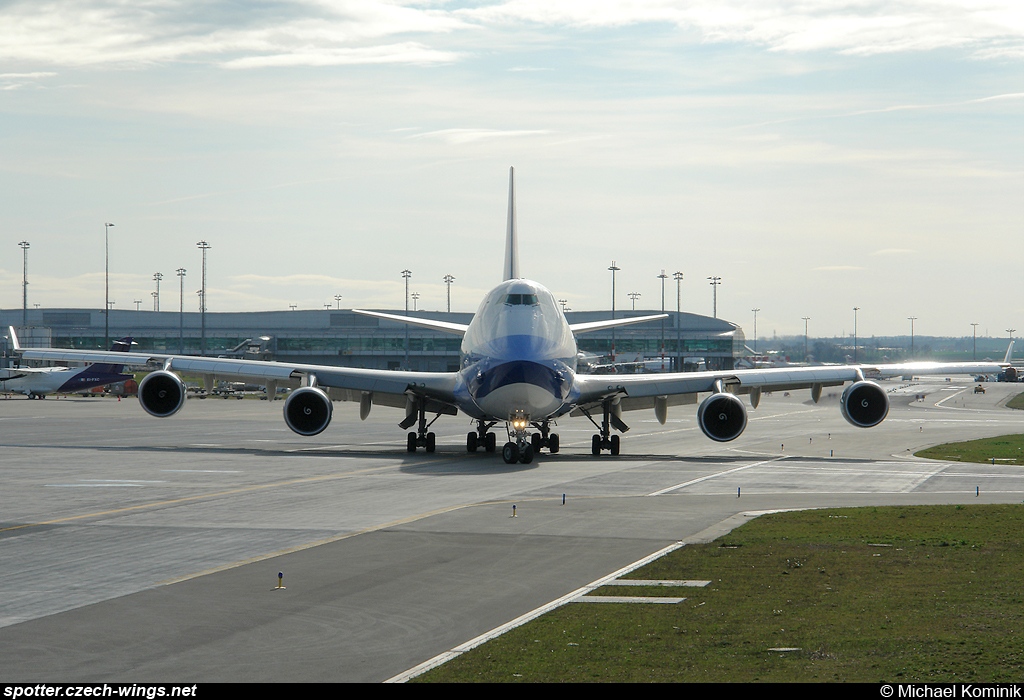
{"x": 491, "y": 442}
{"x": 471, "y": 442}
{"x": 595, "y": 445}
{"x": 535, "y": 441}
{"x": 553, "y": 443}
{"x": 410, "y": 442}
{"x": 527, "y": 456}
{"x": 615, "y": 445}
{"x": 510, "y": 453}
{"x": 431, "y": 442}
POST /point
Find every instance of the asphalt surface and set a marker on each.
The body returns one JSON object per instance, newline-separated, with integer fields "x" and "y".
{"x": 136, "y": 549}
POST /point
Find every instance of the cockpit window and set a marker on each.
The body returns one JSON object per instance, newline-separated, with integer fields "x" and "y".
{"x": 521, "y": 299}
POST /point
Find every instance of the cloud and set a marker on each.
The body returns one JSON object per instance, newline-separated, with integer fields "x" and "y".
{"x": 333, "y": 32}
{"x": 837, "y": 268}
{"x": 459, "y": 136}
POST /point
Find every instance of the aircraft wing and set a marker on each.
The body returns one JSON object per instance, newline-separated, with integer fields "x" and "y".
{"x": 395, "y": 384}
{"x": 443, "y": 326}
{"x": 17, "y": 372}
{"x": 597, "y": 387}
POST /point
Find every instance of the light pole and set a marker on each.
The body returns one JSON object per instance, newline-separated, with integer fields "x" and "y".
{"x": 24, "y": 245}
{"x": 911, "y": 319}
{"x": 563, "y": 302}
{"x": 406, "y": 274}
{"x": 181, "y": 310}
{"x": 203, "y": 246}
{"x": 755, "y": 329}
{"x": 415, "y": 298}
{"x": 715, "y": 281}
{"x": 156, "y": 295}
{"x": 138, "y": 304}
{"x": 974, "y": 352}
{"x": 106, "y": 285}
{"x": 678, "y": 277}
{"x": 806, "y": 319}
{"x": 663, "y": 277}
{"x": 855, "y": 310}
{"x": 337, "y": 298}
{"x": 448, "y": 279}
{"x": 613, "y": 268}
{"x": 634, "y": 296}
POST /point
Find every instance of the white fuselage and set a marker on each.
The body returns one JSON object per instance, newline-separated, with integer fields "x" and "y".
{"x": 518, "y": 356}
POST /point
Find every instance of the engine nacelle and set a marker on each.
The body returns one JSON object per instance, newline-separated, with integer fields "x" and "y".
{"x": 308, "y": 411}
{"x": 864, "y": 404}
{"x": 722, "y": 417}
{"x": 162, "y": 393}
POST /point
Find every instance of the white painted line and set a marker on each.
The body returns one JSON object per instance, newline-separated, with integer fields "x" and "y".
{"x": 712, "y": 476}
{"x": 645, "y": 582}
{"x": 627, "y": 599}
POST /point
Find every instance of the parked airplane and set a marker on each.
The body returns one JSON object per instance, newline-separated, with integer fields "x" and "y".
{"x": 37, "y": 382}
{"x": 518, "y": 367}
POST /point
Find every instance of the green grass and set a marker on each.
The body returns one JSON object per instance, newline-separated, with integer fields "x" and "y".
{"x": 928, "y": 593}
{"x": 1016, "y": 402}
{"x": 1006, "y": 449}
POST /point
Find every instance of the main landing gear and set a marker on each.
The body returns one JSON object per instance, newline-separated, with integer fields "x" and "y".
{"x": 482, "y": 437}
{"x": 421, "y": 438}
{"x": 605, "y": 440}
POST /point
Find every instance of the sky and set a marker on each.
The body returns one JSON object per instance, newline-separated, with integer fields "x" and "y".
{"x": 816, "y": 156}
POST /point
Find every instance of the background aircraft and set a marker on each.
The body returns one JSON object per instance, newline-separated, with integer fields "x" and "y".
{"x": 37, "y": 382}
{"x": 518, "y": 367}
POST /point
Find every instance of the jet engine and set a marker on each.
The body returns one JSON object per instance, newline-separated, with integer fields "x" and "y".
{"x": 308, "y": 411}
{"x": 162, "y": 393}
{"x": 722, "y": 417}
{"x": 864, "y": 404}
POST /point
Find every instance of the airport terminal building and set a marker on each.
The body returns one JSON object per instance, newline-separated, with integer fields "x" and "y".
{"x": 343, "y": 338}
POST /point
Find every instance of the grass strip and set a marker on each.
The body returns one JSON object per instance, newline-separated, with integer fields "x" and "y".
{"x": 893, "y": 594}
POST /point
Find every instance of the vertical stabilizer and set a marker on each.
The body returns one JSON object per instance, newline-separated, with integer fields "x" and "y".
{"x": 511, "y": 269}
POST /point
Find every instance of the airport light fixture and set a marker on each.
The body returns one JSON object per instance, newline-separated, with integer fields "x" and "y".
{"x": 613, "y": 268}
{"x": 106, "y": 285}
{"x": 24, "y": 245}
{"x": 663, "y": 277}
{"x": 634, "y": 296}
{"x": 806, "y": 319}
{"x": 974, "y": 352}
{"x": 715, "y": 281}
{"x": 337, "y": 298}
{"x": 448, "y": 279}
{"x": 678, "y": 277}
{"x": 563, "y": 302}
{"x": 156, "y": 295}
{"x": 1010, "y": 331}
{"x": 292, "y": 306}
{"x": 855, "y": 310}
{"x": 755, "y": 329}
{"x": 406, "y": 274}
{"x": 911, "y": 319}
{"x": 181, "y": 310}
{"x": 138, "y": 304}
{"x": 415, "y": 298}
{"x": 203, "y": 246}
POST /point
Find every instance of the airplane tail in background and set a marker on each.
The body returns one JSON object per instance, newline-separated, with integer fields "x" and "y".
{"x": 102, "y": 368}
{"x": 511, "y": 270}
{"x": 1009, "y": 354}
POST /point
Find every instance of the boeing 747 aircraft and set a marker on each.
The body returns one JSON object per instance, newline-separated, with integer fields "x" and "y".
{"x": 37, "y": 382}
{"x": 518, "y": 368}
